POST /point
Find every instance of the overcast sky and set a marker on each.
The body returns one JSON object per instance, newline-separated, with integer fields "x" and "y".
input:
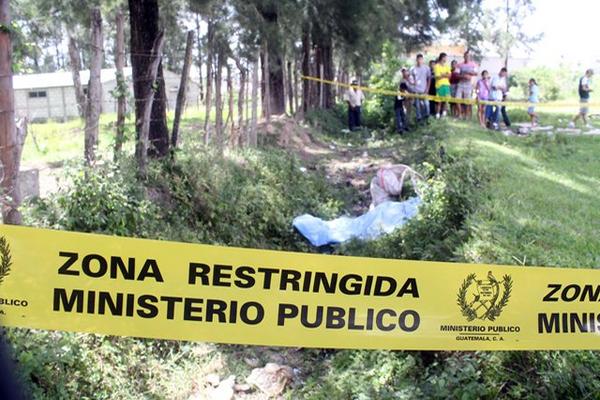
{"x": 570, "y": 29}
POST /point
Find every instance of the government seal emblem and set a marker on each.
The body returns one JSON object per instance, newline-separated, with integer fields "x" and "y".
{"x": 483, "y": 298}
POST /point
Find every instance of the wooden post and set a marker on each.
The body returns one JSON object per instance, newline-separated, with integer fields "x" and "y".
{"x": 219, "y": 135}
{"x": 11, "y": 139}
{"x": 181, "y": 94}
{"x": 252, "y": 135}
{"x": 121, "y": 85}
{"x": 209, "y": 79}
{"x": 94, "y": 103}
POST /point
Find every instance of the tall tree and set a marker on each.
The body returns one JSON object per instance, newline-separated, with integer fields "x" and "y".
{"x": 121, "y": 83}
{"x": 75, "y": 63}
{"x": 183, "y": 84}
{"x": 508, "y": 33}
{"x": 144, "y": 23}
{"x": 94, "y": 94}
{"x": 11, "y": 139}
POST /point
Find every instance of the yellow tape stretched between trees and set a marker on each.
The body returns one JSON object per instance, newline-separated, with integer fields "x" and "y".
{"x": 165, "y": 290}
{"x": 513, "y": 104}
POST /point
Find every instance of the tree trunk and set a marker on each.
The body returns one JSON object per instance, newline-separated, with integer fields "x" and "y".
{"x": 181, "y": 94}
{"x": 266, "y": 83}
{"x": 324, "y": 62}
{"x": 145, "y": 104}
{"x": 219, "y": 103}
{"x": 241, "y": 101}
{"x": 276, "y": 84}
{"x": 199, "y": 57}
{"x": 10, "y": 143}
{"x": 144, "y": 19}
{"x": 230, "y": 117}
{"x": 290, "y": 90}
{"x": 247, "y": 101}
{"x": 252, "y": 136}
{"x": 75, "y": 62}
{"x": 121, "y": 85}
{"x": 295, "y": 91}
{"x": 305, "y": 69}
{"x": 94, "y": 99}
{"x": 209, "y": 79}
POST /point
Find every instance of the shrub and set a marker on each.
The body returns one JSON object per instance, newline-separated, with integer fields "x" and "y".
{"x": 106, "y": 199}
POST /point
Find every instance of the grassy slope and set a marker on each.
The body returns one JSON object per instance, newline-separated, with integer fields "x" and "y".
{"x": 542, "y": 205}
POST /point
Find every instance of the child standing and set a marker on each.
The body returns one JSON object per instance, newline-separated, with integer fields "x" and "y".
{"x": 405, "y": 87}
{"x": 534, "y": 97}
{"x": 483, "y": 94}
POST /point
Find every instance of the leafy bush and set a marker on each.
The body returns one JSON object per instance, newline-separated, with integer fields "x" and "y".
{"x": 106, "y": 199}
{"x": 364, "y": 375}
{"x": 245, "y": 199}
{"x": 248, "y": 199}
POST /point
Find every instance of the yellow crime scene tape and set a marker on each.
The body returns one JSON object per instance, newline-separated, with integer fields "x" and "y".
{"x": 156, "y": 289}
{"x": 513, "y": 104}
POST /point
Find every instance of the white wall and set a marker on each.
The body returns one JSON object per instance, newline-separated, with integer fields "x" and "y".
{"x": 60, "y": 102}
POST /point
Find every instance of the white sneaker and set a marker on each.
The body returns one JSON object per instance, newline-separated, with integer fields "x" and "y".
{"x": 571, "y": 125}
{"x": 444, "y": 114}
{"x": 437, "y": 116}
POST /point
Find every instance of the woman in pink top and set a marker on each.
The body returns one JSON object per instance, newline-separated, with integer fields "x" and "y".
{"x": 483, "y": 93}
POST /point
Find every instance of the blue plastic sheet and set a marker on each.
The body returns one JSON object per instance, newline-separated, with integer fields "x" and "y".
{"x": 379, "y": 221}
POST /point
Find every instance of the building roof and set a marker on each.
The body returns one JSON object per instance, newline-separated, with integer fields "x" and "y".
{"x": 61, "y": 79}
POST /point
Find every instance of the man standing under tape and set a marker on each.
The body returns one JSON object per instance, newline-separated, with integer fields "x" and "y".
{"x": 464, "y": 90}
{"x": 354, "y": 97}
{"x": 421, "y": 76}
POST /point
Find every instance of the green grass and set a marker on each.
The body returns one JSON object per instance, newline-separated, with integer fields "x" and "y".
{"x": 57, "y": 142}
{"x": 542, "y": 203}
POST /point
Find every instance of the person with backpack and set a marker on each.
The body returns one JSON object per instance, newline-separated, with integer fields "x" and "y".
{"x": 585, "y": 88}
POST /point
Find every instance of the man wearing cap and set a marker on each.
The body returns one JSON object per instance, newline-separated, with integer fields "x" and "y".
{"x": 584, "y": 89}
{"x": 354, "y": 97}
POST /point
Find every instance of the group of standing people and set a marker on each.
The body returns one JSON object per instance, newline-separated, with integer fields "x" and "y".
{"x": 450, "y": 80}
{"x": 445, "y": 80}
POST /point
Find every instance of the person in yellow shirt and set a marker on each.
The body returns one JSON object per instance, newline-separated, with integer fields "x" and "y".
{"x": 442, "y": 73}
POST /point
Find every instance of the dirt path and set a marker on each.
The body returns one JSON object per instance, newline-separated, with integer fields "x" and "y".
{"x": 342, "y": 164}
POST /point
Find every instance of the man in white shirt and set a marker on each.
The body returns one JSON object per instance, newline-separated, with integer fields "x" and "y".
{"x": 354, "y": 97}
{"x": 585, "y": 87}
{"x": 499, "y": 88}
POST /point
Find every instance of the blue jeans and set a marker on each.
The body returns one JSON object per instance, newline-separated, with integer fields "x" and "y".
{"x": 492, "y": 113}
{"x": 421, "y": 109}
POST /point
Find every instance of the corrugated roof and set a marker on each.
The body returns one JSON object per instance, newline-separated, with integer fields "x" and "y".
{"x": 61, "y": 79}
